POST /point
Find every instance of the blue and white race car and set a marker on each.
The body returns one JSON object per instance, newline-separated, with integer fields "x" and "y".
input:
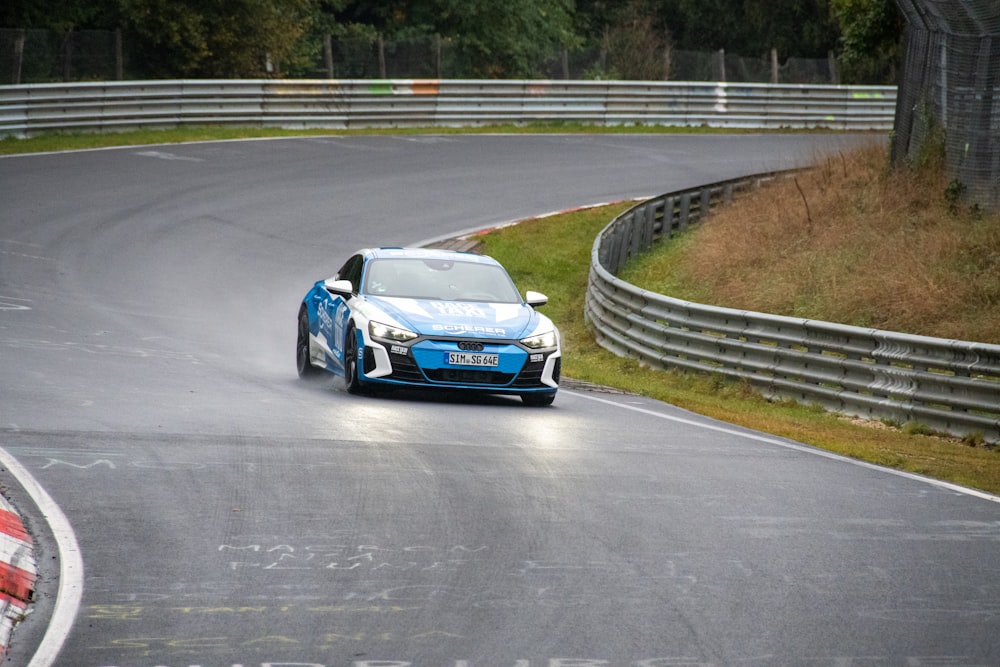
{"x": 409, "y": 317}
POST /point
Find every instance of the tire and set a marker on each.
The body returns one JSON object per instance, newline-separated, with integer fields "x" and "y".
{"x": 538, "y": 400}
{"x": 302, "y": 362}
{"x": 352, "y": 379}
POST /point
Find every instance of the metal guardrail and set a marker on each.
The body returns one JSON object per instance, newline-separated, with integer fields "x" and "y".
{"x": 948, "y": 385}
{"x": 341, "y": 104}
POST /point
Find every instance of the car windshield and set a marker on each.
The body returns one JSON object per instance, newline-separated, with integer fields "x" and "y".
{"x": 444, "y": 280}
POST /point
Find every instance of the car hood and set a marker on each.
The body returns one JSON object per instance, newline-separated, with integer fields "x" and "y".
{"x": 459, "y": 318}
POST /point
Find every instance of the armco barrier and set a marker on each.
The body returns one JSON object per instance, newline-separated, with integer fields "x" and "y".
{"x": 340, "y": 104}
{"x": 948, "y": 385}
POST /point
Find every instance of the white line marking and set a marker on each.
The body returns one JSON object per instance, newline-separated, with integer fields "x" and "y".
{"x": 5, "y": 303}
{"x": 21, "y": 254}
{"x": 168, "y": 156}
{"x": 70, "y": 565}
{"x": 799, "y": 448}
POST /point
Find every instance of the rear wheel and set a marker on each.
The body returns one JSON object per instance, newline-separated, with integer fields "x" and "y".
{"x": 352, "y": 379}
{"x": 538, "y": 400}
{"x": 303, "y": 365}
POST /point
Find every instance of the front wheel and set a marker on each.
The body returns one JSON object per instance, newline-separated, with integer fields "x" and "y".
{"x": 302, "y": 362}
{"x": 538, "y": 400}
{"x": 352, "y": 379}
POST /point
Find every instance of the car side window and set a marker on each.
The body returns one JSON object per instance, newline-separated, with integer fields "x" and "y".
{"x": 351, "y": 270}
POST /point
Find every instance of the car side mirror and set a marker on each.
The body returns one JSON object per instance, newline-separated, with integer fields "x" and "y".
{"x": 535, "y": 299}
{"x": 341, "y": 288}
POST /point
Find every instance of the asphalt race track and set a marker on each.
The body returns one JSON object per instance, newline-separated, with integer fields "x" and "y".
{"x": 227, "y": 513}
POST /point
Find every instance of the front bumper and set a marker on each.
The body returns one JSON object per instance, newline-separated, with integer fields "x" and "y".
{"x": 422, "y": 362}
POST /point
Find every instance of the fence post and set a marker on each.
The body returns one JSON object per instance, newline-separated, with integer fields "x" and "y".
{"x": 437, "y": 54}
{"x": 381, "y": 57}
{"x": 831, "y": 59}
{"x": 668, "y": 63}
{"x": 774, "y": 65}
{"x": 328, "y": 55}
{"x": 18, "y": 63}
{"x": 67, "y": 55}
{"x": 119, "y": 56}
{"x": 719, "y": 65}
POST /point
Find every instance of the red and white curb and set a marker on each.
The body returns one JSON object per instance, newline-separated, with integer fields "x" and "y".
{"x": 17, "y": 572}
{"x": 17, "y": 558}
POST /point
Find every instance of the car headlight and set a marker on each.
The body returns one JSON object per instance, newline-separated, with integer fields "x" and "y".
{"x": 387, "y": 332}
{"x": 539, "y": 341}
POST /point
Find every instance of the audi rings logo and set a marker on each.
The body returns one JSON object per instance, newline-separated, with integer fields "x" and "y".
{"x": 470, "y": 346}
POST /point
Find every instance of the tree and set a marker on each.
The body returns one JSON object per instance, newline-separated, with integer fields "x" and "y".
{"x": 871, "y": 39}
{"x": 704, "y": 25}
{"x": 170, "y": 37}
{"x": 793, "y": 27}
{"x": 255, "y": 37}
{"x": 800, "y": 28}
{"x": 637, "y": 45}
{"x": 216, "y": 38}
{"x": 511, "y": 39}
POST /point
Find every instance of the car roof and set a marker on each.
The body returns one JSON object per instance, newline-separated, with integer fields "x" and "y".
{"x": 427, "y": 253}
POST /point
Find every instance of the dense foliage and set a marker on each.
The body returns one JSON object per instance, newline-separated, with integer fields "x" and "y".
{"x": 512, "y": 38}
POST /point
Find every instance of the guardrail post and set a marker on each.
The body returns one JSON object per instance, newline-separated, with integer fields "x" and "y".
{"x": 706, "y": 203}
{"x": 649, "y": 225}
{"x": 624, "y": 240}
{"x": 669, "y": 218}
{"x": 685, "y": 212}
{"x": 638, "y": 230}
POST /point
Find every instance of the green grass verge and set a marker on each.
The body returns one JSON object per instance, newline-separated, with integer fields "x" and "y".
{"x": 63, "y": 141}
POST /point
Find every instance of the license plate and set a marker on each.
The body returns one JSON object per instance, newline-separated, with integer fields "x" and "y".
{"x": 471, "y": 359}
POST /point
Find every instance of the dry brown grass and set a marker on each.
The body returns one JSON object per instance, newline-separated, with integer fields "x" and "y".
{"x": 851, "y": 241}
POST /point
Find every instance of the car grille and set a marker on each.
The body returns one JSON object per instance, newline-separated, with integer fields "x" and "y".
{"x": 461, "y": 375}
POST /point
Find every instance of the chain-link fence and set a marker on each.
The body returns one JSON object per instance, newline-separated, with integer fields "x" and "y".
{"x": 950, "y": 92}
{"x": 433, "y": 57}
{"x": 41, "y": 56}
{"x": 38, "y": 56}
